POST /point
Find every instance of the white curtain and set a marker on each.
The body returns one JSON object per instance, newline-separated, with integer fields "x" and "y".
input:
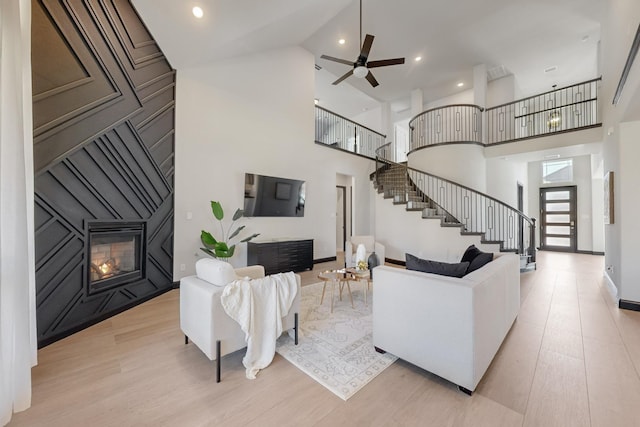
{"x": 18, "y": 347}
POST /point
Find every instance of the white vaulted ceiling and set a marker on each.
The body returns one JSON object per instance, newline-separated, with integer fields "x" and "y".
{"x": 525, "y": 37}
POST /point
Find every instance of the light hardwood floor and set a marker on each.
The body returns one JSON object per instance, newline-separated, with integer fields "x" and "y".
{"x": 571, "y": 359}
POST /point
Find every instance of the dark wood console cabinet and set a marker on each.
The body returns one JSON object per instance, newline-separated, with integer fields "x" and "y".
{"x": 280, "y": 256}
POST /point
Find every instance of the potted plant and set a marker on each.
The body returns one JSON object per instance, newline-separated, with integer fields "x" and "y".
{"x": 222, "y": 248}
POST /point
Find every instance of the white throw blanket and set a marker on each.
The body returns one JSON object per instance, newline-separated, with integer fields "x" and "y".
{"x": 259, "y": 305}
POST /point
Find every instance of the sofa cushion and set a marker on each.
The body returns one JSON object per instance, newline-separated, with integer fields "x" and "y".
{"x": 476, "y": 258}
{"x": 214, "y": 271}
{"x": 436, "y": 267}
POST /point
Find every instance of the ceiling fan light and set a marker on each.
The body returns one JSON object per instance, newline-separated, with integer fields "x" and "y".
{"x": 360, "y": 72}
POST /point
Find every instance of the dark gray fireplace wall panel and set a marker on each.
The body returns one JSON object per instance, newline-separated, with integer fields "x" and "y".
{"x": 103, "y": 106}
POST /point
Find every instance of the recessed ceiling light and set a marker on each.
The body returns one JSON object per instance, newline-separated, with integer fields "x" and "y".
{"x": 197, "y": 12}
{"x": 551, "y": 69}
{"x": 418, "y": 58}
{"x": 342, "y": 41}
{"x": 460, "y": 84}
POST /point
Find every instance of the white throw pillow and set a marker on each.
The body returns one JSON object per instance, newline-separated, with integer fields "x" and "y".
{"x": 214, "y": 271}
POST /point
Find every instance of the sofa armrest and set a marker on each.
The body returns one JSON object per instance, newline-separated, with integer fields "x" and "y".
{"x": 252, "y": 271}
{"x": 425, "y": 319}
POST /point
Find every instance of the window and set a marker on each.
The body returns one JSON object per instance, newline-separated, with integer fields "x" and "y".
{"x": 557, "y": 171}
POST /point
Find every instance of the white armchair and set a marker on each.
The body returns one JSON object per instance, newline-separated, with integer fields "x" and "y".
{"x": 202, "y": 317}
{"x": 370, "y": 245}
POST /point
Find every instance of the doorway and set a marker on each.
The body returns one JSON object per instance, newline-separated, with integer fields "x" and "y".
{"x": 402, "y": 143}
{"x": 341, "y": 217}
{"x": 558, "y": 231}
{"x": 521, "y": 220}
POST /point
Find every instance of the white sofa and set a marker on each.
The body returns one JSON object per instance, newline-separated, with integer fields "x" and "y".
{"x": 202, "y": 317}
{"x": 452, "y": 327}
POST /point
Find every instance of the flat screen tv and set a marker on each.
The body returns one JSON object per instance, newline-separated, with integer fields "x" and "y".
{"x": 273, "y": 196}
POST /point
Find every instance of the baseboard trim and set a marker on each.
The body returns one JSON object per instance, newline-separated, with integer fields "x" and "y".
{"x": 321, "y": 260}
{"x": 629, "y": 305}
{"x": 176, "y": 285}
{"x": 395, "y": 262}
{"x": 611, "y": 287}
{"x": 590, "y": 252}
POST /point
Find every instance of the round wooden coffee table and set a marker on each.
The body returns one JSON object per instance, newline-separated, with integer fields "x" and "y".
{"x": 361, "y": 276}
{"x": 339, "y": 277}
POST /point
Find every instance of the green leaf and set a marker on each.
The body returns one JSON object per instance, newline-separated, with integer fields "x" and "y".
{"x": 208, "y": 252}
{"x": 239, "y": 214}
{"x": 235, "y": 233}
{"x": 225, "y": 252}
{"x": 221, "y": 246}
{"x": 216, "y": 208}
{"x": 253, "y": 236}
{"x": 208, "y": 240}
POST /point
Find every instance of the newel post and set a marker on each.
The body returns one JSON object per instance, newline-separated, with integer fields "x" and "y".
{"x": 532, "y": 240}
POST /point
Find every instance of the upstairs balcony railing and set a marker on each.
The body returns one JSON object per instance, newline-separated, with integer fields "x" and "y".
{"x": 571, "y": 108}
{"x": 567, "y": 109}
{"x": 445, "y": 125}
{"x": 339, "y": 132}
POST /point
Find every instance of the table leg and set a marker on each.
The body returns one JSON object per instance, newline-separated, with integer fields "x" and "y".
{"x": 350, "y": 296}
{"x": 366, "y": 288}
{"x": 333, "y": 285}
{"x": 324, "y": 286}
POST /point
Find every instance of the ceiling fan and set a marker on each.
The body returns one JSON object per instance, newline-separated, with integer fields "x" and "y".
{"x": 361, "y": 67}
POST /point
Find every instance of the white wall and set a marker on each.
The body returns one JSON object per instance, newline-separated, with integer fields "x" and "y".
{"x": 627, "y": 215}
{"x": 618, "y": 31}
{"x": 229, "y": 122}
{"x": 503, "y": 176}
{"x": 597, "y": 198}
{"x": 462, "y": 163}
{"x": 501, "y": 91}
{"x": 371, "y": 118}
{"x": 463, "y": 97}
{"x": 587, "y": 215}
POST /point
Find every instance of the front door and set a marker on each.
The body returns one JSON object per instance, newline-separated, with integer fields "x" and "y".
{"x": 558, "y": 219}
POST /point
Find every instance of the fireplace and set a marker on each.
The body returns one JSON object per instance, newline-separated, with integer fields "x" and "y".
{"x": 116, "y": 254}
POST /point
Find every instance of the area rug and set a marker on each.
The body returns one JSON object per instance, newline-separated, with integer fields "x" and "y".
{"x": 336, "y": 349}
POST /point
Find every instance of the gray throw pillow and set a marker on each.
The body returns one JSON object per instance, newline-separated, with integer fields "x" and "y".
{"x": 436, "y": 267}
{"x": 476, "y": 258}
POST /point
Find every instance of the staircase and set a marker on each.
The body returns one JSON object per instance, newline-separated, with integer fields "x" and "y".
{"x": 474, "y": 213}
{"x": 393, "y": 180}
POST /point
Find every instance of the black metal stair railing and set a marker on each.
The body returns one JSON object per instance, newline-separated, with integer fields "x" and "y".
{"x": 446, "y": 125}
{"x": 475, "y": 212}
{"x": 339, "y": 132}
{"x": 566, "y": 109}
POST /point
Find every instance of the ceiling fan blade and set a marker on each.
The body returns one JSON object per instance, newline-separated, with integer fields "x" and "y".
{"x": 366, "y": 46}
{"x": 342, "y": 61}
{"x": 371, "y": 79}
{"x": 385, "y": 62}
{"x": 347, "y": 74}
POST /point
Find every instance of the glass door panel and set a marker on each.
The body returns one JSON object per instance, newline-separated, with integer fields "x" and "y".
{"x": 558, "y": 218}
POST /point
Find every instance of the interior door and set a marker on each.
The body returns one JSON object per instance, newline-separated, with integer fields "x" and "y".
{"x": 341, "y": 228}
{"x": 558, "y": 229}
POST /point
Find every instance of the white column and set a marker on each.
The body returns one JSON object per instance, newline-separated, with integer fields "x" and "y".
{"x": 417, "y": 104}
{"x": 480, "y": 93}
{"x": 480, "y": 85}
